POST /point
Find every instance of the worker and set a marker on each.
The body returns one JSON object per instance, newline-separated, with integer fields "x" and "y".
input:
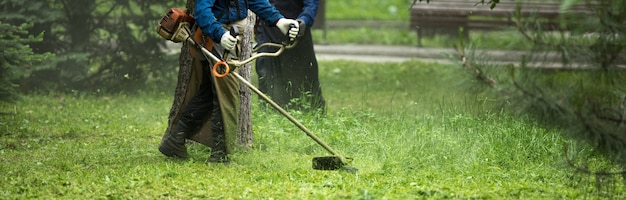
{"x": 291, "y": 79}
{"x": 215, "y": 18}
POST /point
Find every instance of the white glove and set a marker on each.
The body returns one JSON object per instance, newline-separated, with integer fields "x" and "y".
{"x": 284, "y": 25}
{"x": 228, "y": 41}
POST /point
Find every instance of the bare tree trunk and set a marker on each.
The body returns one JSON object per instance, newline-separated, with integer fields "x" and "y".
{"x": 184, "y": 75}
{"x": 245, "y": 136}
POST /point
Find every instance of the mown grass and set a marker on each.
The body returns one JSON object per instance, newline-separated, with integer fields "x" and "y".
{"x": 368, "y": 10}
{"x": 411, "y": 128}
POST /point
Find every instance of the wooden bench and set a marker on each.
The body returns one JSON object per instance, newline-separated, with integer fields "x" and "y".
{"x": 448, "y": 16}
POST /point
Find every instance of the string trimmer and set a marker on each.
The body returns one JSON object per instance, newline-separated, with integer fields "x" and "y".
{"x": 175, "y": 27}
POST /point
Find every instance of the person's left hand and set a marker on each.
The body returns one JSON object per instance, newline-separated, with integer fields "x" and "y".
{"x": 284, "y": 25}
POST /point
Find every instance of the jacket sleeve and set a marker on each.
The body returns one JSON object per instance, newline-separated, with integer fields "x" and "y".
{"x": 265, "y": 11}
{"x": 207, "y": 21}
{"x": 309, "y": 11}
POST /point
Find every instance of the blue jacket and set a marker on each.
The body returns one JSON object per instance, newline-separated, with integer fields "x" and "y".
{"x": 211, "y": 14}
{"x": 301, "y": 9}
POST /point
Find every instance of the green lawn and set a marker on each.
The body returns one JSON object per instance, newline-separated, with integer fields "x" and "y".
{"x": 413, "y": 130}
{"x": 397, "y": 10}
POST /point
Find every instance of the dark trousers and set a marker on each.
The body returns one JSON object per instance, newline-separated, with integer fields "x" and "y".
{"x": 205, "y": 104}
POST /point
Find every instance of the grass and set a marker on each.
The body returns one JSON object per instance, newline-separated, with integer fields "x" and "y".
{"x": 414, "y": 132}
{"x": 397, "y": 10}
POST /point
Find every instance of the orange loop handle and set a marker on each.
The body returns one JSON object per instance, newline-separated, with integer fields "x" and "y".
{"x": 226, "y": 69}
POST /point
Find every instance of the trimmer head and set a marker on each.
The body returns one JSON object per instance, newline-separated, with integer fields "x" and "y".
{"x": 332, "y": 163}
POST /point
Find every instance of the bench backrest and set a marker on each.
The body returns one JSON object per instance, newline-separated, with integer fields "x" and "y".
{"x": 502, "y": 9}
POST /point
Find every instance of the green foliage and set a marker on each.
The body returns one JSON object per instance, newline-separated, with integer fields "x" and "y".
{"x": 413, "y": 132}
{"x": 492, "y": 3}
{"x": 17, "y": 57}
{"x": 104, "y": 45}
{"x": 567, "y": 4}
{"x": 571, "y": 79}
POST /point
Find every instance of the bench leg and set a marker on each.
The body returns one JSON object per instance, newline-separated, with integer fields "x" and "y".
{"x": 419, "y": 37}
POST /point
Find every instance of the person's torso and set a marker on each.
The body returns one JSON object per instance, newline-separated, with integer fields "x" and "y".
{"x": 227, "y": 11}
{"x": 289, "y": 8}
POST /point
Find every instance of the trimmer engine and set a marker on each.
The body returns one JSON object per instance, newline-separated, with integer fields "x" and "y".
{"x": 174, "y": 25}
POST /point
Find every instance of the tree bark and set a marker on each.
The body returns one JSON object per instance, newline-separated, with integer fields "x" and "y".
{"x": 184, "y": 74}
{"x": 245, "y": 136}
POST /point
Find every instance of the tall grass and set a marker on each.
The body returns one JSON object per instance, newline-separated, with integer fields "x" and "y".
{"x": 412, "y": 130}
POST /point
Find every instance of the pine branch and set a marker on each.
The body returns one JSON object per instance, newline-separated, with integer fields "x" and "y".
{"x": 587, "y": 171}
{"x": 476, "y": 72}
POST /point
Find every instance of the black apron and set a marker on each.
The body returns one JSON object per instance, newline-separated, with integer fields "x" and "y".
{"x": 293, "y": 74}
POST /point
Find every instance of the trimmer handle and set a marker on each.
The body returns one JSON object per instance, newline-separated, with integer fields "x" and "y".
{"x": 291, "y": 42}
{"x": 234, "y": 31}
{"x": 290, "y": 27}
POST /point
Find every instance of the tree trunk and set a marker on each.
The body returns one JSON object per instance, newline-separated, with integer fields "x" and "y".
{"x": 184, "y": 74}
{"x": 245, "y": 136}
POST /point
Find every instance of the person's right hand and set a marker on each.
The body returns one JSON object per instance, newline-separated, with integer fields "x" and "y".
{"x": 228, "y": 41}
